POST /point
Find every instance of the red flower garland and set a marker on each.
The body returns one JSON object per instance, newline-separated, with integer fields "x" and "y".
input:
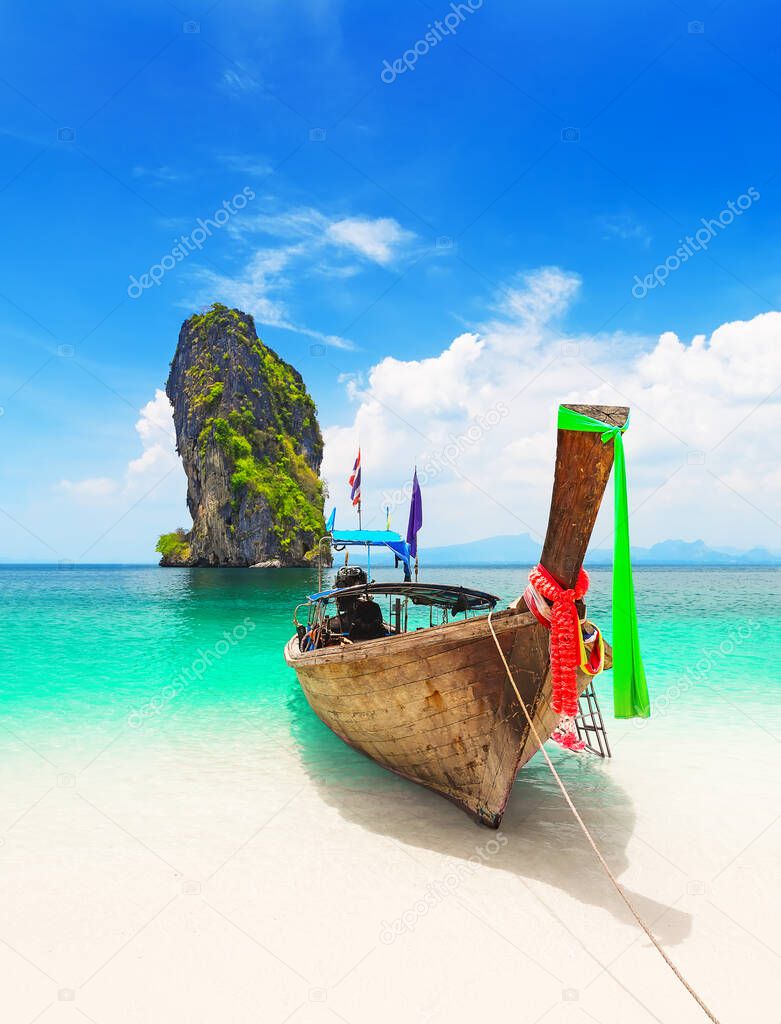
{"x": 565, "y": 637}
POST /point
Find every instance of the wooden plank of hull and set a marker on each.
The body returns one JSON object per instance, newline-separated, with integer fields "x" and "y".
{"x": 436, "y": 706}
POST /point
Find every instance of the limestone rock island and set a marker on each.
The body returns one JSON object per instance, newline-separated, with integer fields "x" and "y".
{"x": 250, "y": 443}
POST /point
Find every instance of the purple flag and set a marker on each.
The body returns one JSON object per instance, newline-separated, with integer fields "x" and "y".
{"x": 415, "y": 516}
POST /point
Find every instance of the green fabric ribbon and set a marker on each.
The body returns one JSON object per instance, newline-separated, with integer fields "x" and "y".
{"x": 630, "y": 690}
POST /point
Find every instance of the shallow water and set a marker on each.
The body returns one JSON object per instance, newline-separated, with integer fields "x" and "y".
{"x": 86, "y": 651}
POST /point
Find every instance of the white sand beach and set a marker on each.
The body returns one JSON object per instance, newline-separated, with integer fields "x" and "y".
{"x": 207, "y": 879}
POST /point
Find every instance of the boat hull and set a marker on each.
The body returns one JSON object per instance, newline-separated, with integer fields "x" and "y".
{"x": 436, "y": 707}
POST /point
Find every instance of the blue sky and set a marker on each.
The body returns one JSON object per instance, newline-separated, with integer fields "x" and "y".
{"x": 387, "y": 216}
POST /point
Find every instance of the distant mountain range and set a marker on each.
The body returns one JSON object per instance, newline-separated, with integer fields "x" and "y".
{"x": 521, "y": 549}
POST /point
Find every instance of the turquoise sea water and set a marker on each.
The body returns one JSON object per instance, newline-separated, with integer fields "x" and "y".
{"x": 190, "y": 656}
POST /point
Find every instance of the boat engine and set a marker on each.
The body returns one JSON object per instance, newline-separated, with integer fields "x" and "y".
{"x": 350, "y": 576}
{"x": 359, "y": 618}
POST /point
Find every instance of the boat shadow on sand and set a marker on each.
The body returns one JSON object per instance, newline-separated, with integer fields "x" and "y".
{"x": 544, "y": 843}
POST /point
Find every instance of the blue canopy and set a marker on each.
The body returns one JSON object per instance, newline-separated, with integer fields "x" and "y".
{"x": 375, "y": 539}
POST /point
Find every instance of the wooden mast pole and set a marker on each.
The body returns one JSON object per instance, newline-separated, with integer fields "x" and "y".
{"x": 583, "y": 465}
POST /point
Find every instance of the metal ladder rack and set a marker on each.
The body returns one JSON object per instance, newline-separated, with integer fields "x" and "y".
{"x": 589, "y": 723}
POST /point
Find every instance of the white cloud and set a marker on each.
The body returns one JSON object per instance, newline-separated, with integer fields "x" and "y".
{"x": 711, "y": 395}
{"x": 625, "y": 227}
{"x": 303, "y": 222}
{"x": 536, "y": 298}
{"x": 164, "y": 175}
{"x": 238, "y": 81}
{"x": 378, "y": 240}
{"x": 246, "y": 163}
{"x": 92, "y": 489}
{"x": 259, "y": 291}
{"x": 158, "y": 459}
{"x": 311, "y": 243}
{"x": 155, "y": 428}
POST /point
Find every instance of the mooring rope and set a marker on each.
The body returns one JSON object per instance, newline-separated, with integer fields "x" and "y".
{"x": 616, "y": 884}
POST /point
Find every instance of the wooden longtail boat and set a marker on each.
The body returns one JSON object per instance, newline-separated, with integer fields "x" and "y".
{"x": 435, "y": 705}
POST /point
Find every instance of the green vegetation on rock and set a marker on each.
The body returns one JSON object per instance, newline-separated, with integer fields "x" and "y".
{"x": 174, "y": 547}
{"x": 293, "y": 491}
{"x": 209, "y": 397}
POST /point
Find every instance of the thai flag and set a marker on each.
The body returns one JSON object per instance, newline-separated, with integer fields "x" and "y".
{"x": 355, "y": 481}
